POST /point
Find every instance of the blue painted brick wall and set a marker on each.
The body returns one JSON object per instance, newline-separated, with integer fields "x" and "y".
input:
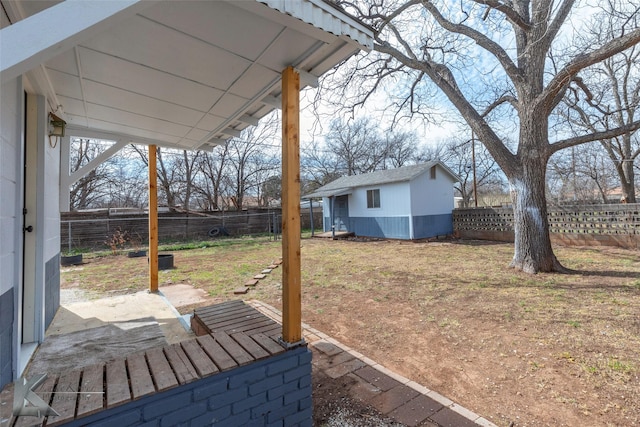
{"x": 6, "y": 337}
{"x": 274, "y": 391}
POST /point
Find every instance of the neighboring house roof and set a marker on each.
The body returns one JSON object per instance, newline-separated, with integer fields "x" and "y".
{"x": 346, "y": 184}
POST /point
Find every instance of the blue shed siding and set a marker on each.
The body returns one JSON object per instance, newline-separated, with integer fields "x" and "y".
{"x": 396, "y": 227}
{"x": 6, "y": 337}
{"x": 432, "y": 225}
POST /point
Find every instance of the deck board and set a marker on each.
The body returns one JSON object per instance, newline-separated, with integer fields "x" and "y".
{"x": 203, "y": 364}
{"x": 233, "y": 348}
{"x": 215, "y": 351}
{"x": 117, "y": 383}
{"x": 64, "y": 398}
{"x": 250, "y": 345}
{"x": 268, "y": 343}
{"x": 180, "y": 363}
{"x": 141, "y": 382}
{"x": 163, "y": 375}
{"x": 91, "y": 397}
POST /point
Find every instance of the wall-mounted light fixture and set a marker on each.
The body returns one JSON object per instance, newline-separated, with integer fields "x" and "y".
{"x": 56, "y": 125}
{"x": 56, "y": 128}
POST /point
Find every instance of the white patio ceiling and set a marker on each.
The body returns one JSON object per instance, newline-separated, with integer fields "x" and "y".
{"x": 190, "y": 74}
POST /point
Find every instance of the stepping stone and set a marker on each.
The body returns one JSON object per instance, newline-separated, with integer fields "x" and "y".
{"x": 266, "y": 271}
{"x": 277, "y": 262}
{"x": 259, "y": 276}
{"x": 251, "y": 282}
{"x": 273, "y": 266}
{"x": 242, "y": 290}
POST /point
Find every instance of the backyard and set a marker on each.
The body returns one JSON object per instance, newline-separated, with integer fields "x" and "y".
{"x": 521, "y": 350}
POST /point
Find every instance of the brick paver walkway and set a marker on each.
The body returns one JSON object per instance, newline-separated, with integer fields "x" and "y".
{"x": 395, "y": 396}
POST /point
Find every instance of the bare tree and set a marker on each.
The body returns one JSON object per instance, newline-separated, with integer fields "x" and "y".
{"x": 251, "y": 160}
{"x": 457, "y": 155}
{"x": 357, "y": 145}
{"x": 400, "y": 147}
{"x": 187, "y": 163}
{"x": 210, "y": 179}
{"x": 582, "y": 175}
{"x": 491, "y": 57}
{"x": 88, "y": 191}
{"x": 270, "y": 191}
{"x": 168, "y": 175}
{"x": 605, "y": 97}
{"x": 318, "y": 167}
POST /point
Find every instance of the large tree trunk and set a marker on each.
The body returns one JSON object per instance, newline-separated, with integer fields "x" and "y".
{"x": 627, "y": 181}
{"x": 533, "y": 252}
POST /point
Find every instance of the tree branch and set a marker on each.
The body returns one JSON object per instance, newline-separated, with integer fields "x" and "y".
{"x": 443, "y": 78}
{"x": 513, "y": 16}
{"x": 505, "y": 98}
{"x": 482, "y": 40}
{"x": 551, "y": 95}
{"x": 554, "y": 27}
{"x": 606, "y": 134}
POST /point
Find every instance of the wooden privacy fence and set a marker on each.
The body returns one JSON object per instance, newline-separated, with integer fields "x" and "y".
{"x": 96, "y": 229}
{"x": 591, "y": 225}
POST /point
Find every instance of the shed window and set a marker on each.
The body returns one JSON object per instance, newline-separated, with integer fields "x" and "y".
{"x": 433, "y": 172}
{"x": 373, "y": 198}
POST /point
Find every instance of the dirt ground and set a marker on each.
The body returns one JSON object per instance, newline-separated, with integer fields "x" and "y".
{"x": 521, "y": 350}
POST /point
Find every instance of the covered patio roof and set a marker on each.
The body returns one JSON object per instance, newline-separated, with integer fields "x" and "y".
{"x": 186, "y": 75}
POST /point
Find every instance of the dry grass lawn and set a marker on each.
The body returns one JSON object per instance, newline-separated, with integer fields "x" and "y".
{"x": 543, "y": 350}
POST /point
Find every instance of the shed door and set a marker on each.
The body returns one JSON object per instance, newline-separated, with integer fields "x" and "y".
{"x": 341, "y": 213}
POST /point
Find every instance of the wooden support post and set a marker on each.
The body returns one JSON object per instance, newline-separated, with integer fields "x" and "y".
{"x": 153, "y": 221}
{"x": 291, "y": 289}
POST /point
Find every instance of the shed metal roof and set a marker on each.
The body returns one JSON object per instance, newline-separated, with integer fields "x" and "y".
{"x": 346, "y": 184}
{"x": 183, "y": 74}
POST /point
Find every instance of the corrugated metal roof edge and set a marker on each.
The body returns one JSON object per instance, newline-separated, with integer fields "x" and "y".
{"x": 357, "y": 31}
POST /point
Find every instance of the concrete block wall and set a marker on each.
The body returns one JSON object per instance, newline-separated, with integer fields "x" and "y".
{"x": 270, "y": 392}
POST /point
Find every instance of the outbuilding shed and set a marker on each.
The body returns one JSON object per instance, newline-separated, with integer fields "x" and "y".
{"x": 411, "y": 202}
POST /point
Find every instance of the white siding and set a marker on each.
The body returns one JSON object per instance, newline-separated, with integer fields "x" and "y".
{"x": 432, "y": 196}
{"x": 48, "y": 197}
{"x": 10, "y": 182}
{"x": 394, "y": 201}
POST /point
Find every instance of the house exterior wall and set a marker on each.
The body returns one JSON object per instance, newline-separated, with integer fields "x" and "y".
{"x": 47, "y": 221}
{"x": 43, "y": 215}
{"x": 11, "y": 112}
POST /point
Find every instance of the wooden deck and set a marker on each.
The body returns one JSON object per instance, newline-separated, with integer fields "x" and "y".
{"x": 233, "y": 317}
{"x": 239, "y": 335}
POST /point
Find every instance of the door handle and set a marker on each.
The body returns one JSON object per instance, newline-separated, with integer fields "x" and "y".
{"x": 28, "y": 229}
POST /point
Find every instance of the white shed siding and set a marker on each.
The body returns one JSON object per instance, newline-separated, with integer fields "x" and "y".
{"x": 394, "y": 201}
{"x": 432, "y": 196}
